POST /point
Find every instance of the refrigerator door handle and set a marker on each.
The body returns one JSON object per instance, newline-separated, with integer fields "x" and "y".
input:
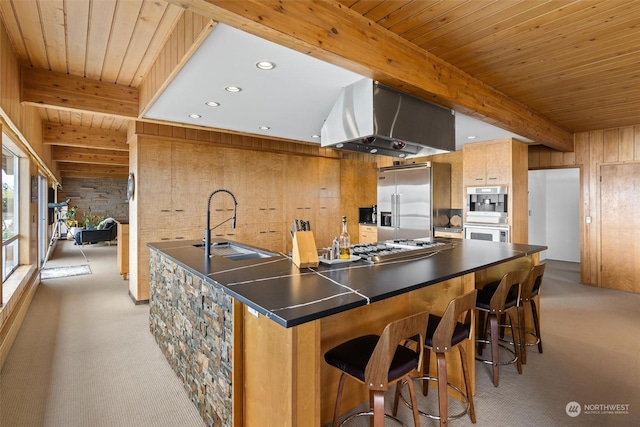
{"x": 397, "y": 211}
{"x": 393, "y": 210}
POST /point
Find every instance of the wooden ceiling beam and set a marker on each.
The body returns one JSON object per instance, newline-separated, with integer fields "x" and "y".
{"x": 82, "y": 136}
{"x": 75, "y": 170}
{"x": 333, "y": 33}
{"x": 44, "y": 88}
{"x": 90, "y": 156}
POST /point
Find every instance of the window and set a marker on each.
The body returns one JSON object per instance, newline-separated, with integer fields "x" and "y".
{"x": 10, "y": 199}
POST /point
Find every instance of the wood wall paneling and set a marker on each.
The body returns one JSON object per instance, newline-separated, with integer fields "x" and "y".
{"x": 594, "y": 149}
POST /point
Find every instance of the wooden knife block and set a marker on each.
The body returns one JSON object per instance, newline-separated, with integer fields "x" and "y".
{"x": 304, "y": 253}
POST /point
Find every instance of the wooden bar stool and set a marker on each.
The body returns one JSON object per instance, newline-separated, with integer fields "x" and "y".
{"x": 530, "y": 288}
{"x": 442, "y": 335}
{"x": 504, "y": 299}
{"x": 378, "y": 362}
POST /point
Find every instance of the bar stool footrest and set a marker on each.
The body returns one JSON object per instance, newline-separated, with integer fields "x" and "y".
{"x": 465, "y": 400}
{"x": 370, "y": 414}
{"x": 527, "y": 343}
{"x": 491, "y": 362}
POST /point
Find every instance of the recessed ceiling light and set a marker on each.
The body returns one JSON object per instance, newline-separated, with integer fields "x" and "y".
{"x": 233, "y": 89}
{"x": 340, "y": 145}
{"x": 401, "y": 155}
{"x": 471, "y": 137}
{"x": 373, "y": 151}
{"x": 195, "y": 116}
{"x": 315, "y": 136}
{"x": 212, "y": 104}
{"x": 266, "y": 65}
{"x": 265, "y": 127}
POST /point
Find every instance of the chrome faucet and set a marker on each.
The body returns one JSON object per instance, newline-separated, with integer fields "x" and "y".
{"x": 207, "y": 231}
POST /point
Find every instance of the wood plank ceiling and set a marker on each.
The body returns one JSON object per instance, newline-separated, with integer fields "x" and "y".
{"x": 574, "y": 62}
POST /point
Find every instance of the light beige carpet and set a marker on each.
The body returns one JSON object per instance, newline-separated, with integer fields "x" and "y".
{"x": 85, "y": 357}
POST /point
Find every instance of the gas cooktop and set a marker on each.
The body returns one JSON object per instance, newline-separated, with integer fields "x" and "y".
{"x": 392, "y": 250}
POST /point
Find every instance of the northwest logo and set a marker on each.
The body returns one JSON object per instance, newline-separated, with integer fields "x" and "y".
{"x": 573, "y": 409}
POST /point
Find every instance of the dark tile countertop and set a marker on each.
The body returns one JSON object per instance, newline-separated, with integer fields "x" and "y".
{"x": 290, "y": 296}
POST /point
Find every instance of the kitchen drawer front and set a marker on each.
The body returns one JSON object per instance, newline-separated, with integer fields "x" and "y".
{"x": 368, "y": 234}
{"x": 449, "y": 234}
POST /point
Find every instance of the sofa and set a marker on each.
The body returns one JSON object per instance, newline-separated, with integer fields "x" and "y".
{"x": 106, "y": 232}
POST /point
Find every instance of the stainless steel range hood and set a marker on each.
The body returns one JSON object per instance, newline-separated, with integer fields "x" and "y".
{"x": 371, "y": 118}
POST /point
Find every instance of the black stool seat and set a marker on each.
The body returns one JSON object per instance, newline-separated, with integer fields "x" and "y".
{"x": 485, "y": 294}
{"x": 352, "y": 357}
{"x": 460, "y": 332}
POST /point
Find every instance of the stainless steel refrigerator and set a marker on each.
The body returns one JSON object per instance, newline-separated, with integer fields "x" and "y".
{"x": 412, "y": 199}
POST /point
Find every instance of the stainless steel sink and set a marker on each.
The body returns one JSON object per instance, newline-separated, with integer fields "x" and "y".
{"x": 236, "y": 252}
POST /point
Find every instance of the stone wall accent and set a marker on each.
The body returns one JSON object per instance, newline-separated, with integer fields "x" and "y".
{"x": 191, "y": 321}
{"x": 107, "y": 197}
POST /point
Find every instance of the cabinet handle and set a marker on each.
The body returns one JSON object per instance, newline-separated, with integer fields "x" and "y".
{"x": 478, "y": 179}
{"x": 272, "y": 209}
{"x": 165, "y": 210}
{"x": 164, "y": 238}
{"x": 179, "y": 210}
{"x": 179, "y": 237}
{"x": 263, "y": 232}
{"x": 263, "y": 209}
{"x": 323, "y": 188}
{"x": 492, "y": 178}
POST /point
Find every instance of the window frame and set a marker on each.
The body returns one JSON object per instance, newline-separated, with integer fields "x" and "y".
{"x": 12, "y": 243}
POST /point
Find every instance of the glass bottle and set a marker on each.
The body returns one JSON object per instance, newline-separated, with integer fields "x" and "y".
{"x": 345, "y": 241}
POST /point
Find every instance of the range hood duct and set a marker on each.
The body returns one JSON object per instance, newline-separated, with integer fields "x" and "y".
{"x": 371, "y": 118}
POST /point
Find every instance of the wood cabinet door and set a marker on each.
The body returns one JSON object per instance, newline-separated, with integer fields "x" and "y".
{"x": 329, "y": 177}
{"x": 620, "y": 227}
{"x": 498, "y": 163}
{"x": 153, "y": 183}
{"x": 474, "y": 164}
{"x": 328, "y": 222}
{"x": 487, "y": 163}
{"x": 301, "y": 187}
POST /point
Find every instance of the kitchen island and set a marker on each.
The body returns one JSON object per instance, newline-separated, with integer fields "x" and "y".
{"x": 264, "y": 324}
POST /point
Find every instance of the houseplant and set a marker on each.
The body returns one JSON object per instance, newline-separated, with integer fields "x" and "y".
{"x": 70, "y": 216}
{"x": 72, "y": 222}
{"x": 91, "y": 220}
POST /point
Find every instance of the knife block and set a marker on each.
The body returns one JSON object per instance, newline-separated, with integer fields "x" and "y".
{"x": 304, "y": 252}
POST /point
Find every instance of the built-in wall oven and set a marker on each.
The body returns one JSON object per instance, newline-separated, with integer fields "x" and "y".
{"x": 487, "y": 214}
{"x": 491, "y": 233}
{"x": 487, "y": 205}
